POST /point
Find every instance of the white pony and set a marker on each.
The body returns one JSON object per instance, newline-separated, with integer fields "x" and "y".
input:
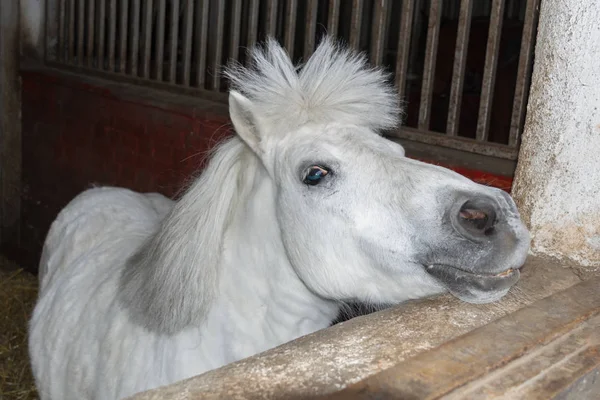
{"x": 306, "y": 208}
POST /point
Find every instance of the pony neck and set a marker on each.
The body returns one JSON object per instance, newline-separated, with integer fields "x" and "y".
{"x": 217, "y": 263}
{"x": 261, "y": 299}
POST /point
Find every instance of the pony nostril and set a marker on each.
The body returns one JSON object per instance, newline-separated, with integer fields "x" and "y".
{"x": 477, "y": 217}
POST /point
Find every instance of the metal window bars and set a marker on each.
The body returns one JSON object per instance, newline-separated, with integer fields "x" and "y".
{"x": 463, "y": 66}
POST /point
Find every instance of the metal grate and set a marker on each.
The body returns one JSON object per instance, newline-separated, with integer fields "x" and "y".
{"x": 463, "y": 66}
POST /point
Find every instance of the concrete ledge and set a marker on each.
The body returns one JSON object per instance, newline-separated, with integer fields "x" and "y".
{"x": 537, "y": 352}
{"x": 330, "y": 360}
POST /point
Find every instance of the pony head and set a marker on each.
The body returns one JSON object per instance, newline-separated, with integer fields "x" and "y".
{"x": 359, "y": 220}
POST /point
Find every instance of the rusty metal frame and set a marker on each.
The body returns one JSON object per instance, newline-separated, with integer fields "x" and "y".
{"x": 139, "y": 37}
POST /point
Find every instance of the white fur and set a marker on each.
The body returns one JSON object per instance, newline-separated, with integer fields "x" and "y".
{"x": 138, "y": 291}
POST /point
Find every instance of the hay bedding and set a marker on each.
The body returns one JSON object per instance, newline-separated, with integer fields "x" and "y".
{"x": 18, "y": 292}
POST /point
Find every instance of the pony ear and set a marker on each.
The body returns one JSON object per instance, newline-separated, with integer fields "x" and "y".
{"x": 244, "y": 120}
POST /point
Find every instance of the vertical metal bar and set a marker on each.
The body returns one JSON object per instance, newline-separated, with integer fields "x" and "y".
{"x": 356, "y": 23}
{"x": 188, "y": 23}
{"x": 147, "y": 35}
{"x": 418, "y": 21}
{"x": 201, "y": 42}
{"x": 253, "y": 23}
{"x": 433, "y": 29}
{"x": 123, "y": 32}
{"x": 271, "y": 23}
{"x": 523, "y": 72}
{"x": 90, "y": 32}
{"x": 333, "y": 17}
{"x": 61, "y": 39}
{"x": 101, "y": 32}
{"x": 218, "y": 47}
{"x": 290, "y": 25}
{"x": 487, "y": 7}
{"x": 379, "y": 31}
{"x": 404, "y": 36}
{"x": 489, "y": 71}
{"x": 522, "y": 11}
{"x": 173, "y": 40}
{"x": 135, "y": 36}
{"x": 311, "y": 28}
{"x": 511, "y": 9}
{"x": 112, "y": 29}
{"x": 234, "y": 39}
{"x": 80, "y": 30}
{"x": 160, "y": 40}
{"x": 454, "y": 6}
{"x": 458, "y": 73}
{"x": 50, "y": 43}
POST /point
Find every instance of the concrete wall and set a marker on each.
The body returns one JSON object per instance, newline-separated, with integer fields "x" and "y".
{"x": 557, "y": 182}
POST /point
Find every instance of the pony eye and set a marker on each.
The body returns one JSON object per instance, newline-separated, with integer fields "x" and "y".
{"x": 314, "y": 175}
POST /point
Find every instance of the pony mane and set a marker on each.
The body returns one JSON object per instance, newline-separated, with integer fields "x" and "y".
{"x": 335, "y": 85}
{"x": 170, "y": 282}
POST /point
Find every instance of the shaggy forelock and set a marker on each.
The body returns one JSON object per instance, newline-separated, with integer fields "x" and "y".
{"x": 335, "y": 85}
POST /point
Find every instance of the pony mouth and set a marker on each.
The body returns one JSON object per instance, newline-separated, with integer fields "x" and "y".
{"x": 459, "y": 281}
{"x": 504, "y": 274}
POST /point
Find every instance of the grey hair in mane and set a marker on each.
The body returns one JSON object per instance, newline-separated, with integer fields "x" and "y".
{"x": 335, "y": 85}
{"x": 171, "y": 281}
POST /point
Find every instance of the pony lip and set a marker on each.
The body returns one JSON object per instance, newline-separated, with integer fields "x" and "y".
{"x": 455, "y": 279}
{"x": 504, "y": 274}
